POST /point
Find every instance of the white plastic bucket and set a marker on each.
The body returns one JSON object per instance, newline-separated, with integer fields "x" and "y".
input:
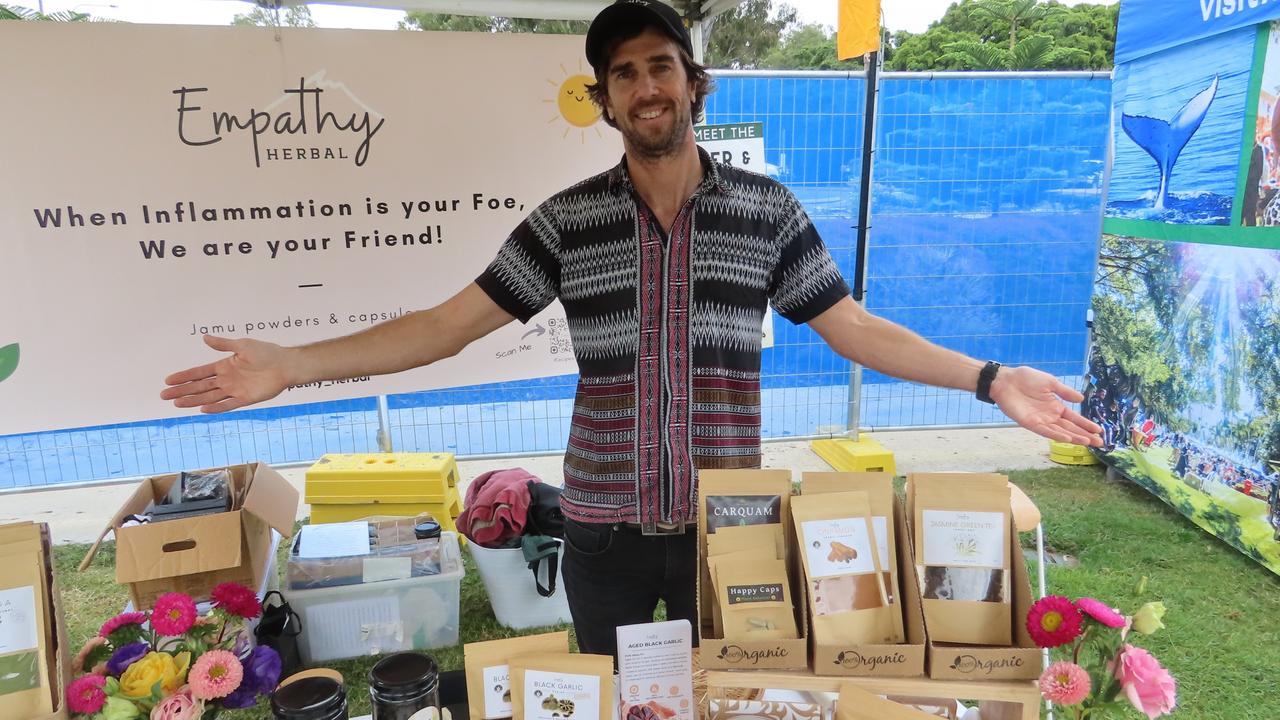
{"x": 512, "y": 592}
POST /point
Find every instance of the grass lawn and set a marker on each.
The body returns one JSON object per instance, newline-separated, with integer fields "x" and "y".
{"x": 1219, "y": 641}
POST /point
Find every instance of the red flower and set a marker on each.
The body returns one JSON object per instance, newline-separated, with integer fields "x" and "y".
{"x": 237, "y": 600}
{"x": 174, "y": 614}
{"x": 1054, "y": 621}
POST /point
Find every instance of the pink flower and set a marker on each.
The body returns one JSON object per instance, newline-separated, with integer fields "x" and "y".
{"x": 175, "y": 613}
{"x": 216, "y": 674}
{"x": 85, "y": 695}
{"x": 1053, "y": 621}
{"x": 90, "y": 645}
{"x": 179, "y": 706}
{"x": 119, "y": 621}
{"x": 1149, "y": 687}
{"x": 1101, "y": 612}
{"x": 1065, "y": 683}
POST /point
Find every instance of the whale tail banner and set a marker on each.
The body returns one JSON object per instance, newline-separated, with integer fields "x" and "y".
{"x": 1164, "y": 140}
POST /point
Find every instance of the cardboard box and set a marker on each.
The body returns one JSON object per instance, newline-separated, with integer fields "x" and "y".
{"x": 1021, "y": 661}
{"x": 901, "y": 660}
{"x": 193, "y": 555}
{"x": 34, "y": 659}
{"x": 720, "y": 654}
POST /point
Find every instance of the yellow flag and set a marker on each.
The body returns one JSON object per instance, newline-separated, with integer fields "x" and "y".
{"x": 859, "y": 29}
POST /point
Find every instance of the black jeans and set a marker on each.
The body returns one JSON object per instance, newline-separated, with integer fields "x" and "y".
{"x": 615, "y": 576}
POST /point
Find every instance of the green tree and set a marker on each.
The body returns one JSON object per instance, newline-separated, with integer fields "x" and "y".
{"x": 744, "y": 36}
{"x": 808, "y": 47}
{"x": 1033, "y": 52}
{"x": 293, "y": 16}
{"x": 1135, "y": 316}
{"x": 1091, "y": 28}
{"x": 17, "y": 12}
{"x": 927, "y": 50}
{"x": 444, "y": 22}
{"x": 1087, "y": 28}
{"x": 1014, "y": 13}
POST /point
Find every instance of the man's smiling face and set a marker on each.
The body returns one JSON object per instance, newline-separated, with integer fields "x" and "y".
{"x": 650, "y": 95}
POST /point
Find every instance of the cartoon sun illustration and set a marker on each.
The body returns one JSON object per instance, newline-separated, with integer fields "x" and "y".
{"x": 572, "y": 103}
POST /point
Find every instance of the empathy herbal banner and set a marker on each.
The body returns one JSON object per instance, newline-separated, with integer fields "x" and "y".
{"x": 1184, "y": 371}
{"x": 163, "y": 182}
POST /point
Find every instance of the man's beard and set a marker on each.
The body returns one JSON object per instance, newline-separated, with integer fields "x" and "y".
{"x": 664, "y": 143}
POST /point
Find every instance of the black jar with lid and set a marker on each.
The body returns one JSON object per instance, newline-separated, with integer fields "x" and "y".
{"x": 402, "y": 684}
{"x": 426, "y": 530}
{"x": 313, "y": 698}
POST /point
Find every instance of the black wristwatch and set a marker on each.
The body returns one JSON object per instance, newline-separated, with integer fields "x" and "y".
{"x": 985, "y": 378}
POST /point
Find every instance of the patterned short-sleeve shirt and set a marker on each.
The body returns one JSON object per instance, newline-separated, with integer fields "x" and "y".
{"x": 666, "y": 327}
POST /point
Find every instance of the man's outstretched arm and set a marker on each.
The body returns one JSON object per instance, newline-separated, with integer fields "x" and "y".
{"x": 257, "y": 371}
{"x": 1030, "y": 397}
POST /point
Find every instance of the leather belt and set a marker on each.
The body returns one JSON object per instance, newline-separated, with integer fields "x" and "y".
{"x": 655, "y": 528}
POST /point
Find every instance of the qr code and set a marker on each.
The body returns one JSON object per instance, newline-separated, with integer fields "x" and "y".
{"x": 558, "y": 332}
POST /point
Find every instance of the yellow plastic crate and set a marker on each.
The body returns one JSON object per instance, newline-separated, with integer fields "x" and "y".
{"x": 861, "y": 455}
{"x": 342, "y": 487}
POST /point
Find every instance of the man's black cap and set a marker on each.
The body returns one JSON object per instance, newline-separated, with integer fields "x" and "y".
{"x": 628, "y": 16}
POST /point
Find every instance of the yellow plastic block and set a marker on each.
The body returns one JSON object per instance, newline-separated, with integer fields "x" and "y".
{"x": 1069, "y": 454}
{"x": 861, "y": 455}
{"x": 342, "y": 487}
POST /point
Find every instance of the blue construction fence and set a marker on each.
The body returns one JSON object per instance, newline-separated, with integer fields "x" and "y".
{"x": 986, "y": 217}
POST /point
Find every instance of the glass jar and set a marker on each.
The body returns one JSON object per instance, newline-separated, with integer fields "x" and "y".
{"x": 312, "y": 698}
{"x": 402, "y": 684}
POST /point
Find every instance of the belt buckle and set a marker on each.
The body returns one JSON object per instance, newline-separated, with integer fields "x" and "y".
{"x": 653, "y": 528}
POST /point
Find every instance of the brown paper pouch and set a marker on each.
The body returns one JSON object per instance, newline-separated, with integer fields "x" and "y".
{"x": 963, "y": 548}
{"x": 748, "y": 537}
{"x": 744, "y": 558}
{"x": 755, "y": 600}
{"x": 557, "y": 686}
{"x": 736, "y": 498}
{"x": 25, "y": 606}
{"x": 847, "y": 600}
{"x": 489, "y": 675}
{"x": 880, "y": 496}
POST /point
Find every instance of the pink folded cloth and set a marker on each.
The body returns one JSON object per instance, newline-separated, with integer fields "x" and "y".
{"x": 496, "y": 507}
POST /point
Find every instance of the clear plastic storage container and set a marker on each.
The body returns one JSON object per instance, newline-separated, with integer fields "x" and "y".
{"x": 394, "y": 553}
{"x": 416, "y": 613}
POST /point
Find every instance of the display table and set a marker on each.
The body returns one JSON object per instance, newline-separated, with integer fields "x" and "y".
{"x": 998, "y": 700}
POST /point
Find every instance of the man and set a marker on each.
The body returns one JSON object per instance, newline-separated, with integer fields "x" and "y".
{"x": 664, "y": 266}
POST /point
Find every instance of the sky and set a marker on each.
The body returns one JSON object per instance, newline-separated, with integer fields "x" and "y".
{"x": 913, "y": 15}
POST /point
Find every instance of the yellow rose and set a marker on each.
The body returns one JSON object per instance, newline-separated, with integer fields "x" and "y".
{"x": 155, "y": 667}
{"x": 1147, "y": 619}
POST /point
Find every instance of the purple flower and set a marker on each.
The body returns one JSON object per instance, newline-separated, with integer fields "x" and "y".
{"x": 124, "y": 657}
{"x": 242, "y": 697}
{"x": 261, "y": 673}
{"x": 262, "y": 669}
